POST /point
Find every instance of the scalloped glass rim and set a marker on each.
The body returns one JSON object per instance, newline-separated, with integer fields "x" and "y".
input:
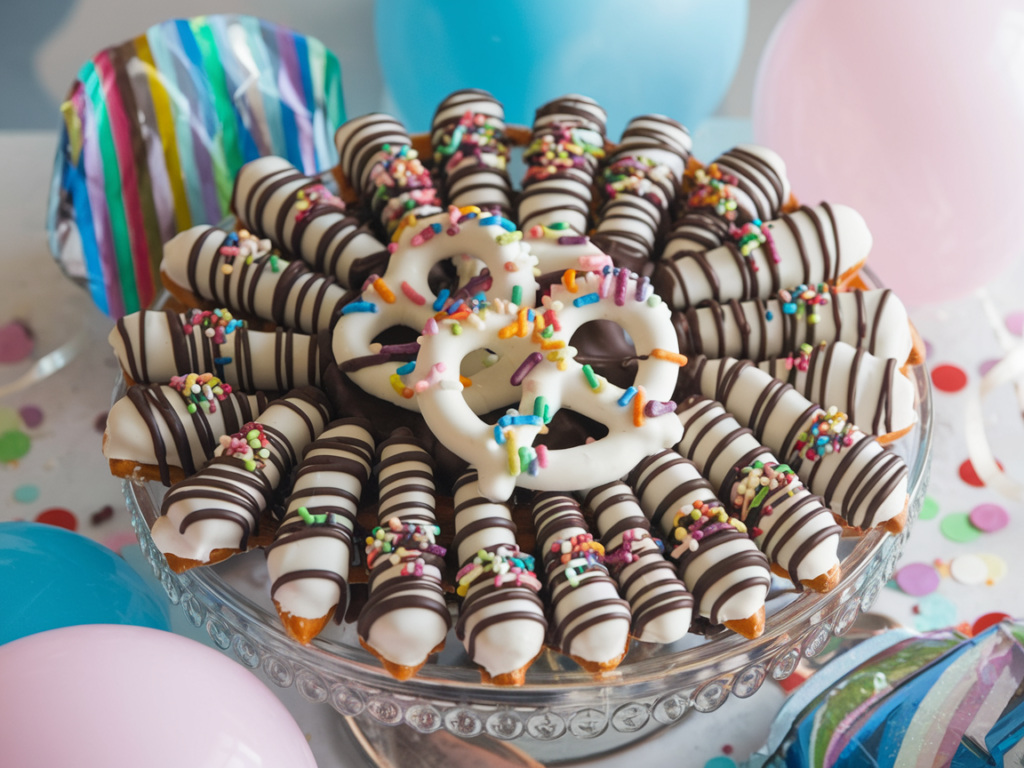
{"x": 804, "y": 625}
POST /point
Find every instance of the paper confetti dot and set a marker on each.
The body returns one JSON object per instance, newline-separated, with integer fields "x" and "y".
{"x": 986, "y": 621}
{"x": 101, "y": 515}
{"x": 969, "y": 476}
{"x": 949, "y": 378}
{"x": 987, "y": 366}
{"x": 15, "y": 342}
{"x": 10, "y": 419}
{"x": 996, "y": 567}
{"x": 969, "y": 569}
{"x": 957, "y": 527}
{"x": 934, "y": 612}
{"x": 929, "y": 509}
{"x": 917, "y": 579}
{"x": 14, "y": 444}
{"x": 989, "y": 518}
{"x": 1015, "y": 323}
{"x": 59, "y": 517}
{"x": 32, "y": 415}
{"x": 100, "y": 422}
{"x": 720, "y": 762}
{"x": 26, "y": 494}
{"x": 928, "y": 349}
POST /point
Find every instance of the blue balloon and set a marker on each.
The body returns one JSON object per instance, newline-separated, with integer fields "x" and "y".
{"x": 673, "y": 57}
{"x": 51, "y": 577}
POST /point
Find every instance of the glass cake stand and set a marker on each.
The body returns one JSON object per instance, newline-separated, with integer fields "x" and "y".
{"x": 562, "y": 713}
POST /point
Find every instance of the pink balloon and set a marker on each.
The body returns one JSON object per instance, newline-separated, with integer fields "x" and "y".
{"x": 912, "y": 113}
{"x": 104, "y": 696}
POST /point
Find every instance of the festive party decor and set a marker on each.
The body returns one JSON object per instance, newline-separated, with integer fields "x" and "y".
{"x": 118, "y": 697}
{"x": 156, "y": 128}
{"x": 54, "y": 578}
{"x": 879, "y": 76}
{"x": 542, "y": 50}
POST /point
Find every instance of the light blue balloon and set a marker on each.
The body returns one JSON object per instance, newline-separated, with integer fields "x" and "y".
{"x": 673, "y": 57}
{"x": 51, "y": 578}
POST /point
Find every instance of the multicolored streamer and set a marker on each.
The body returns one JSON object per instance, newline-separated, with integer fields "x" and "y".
{"x": 155, "y": 130}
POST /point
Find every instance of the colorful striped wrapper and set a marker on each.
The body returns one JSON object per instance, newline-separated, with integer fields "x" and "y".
{"x": 155, "y": 130}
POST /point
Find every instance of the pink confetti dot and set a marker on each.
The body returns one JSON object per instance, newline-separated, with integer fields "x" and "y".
{"x": 949, "y": 378}
{"x": 31, "y": 415}
{"x": 989, "y": 518}
{"x": 917, "y": 579}
{"x": 1015, "y": 323}
{"x": 987, "y": 366}
{"x": 928, "y": 349}
{"x": 16, "y": 342}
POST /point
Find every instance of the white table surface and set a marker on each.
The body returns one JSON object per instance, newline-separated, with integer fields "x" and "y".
{"x": 66, "y": 466}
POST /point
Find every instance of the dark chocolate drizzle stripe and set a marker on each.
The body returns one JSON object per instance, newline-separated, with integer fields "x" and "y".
{"x": 617, "y": 512}
{"x": 873, "y": 480}
{"x": 687, "y": 480}
{"x": 789, "y": 501}
{"x": 338, "y": 459}
{"x": 153, "y": 404}
{"x": 482, "y": 591}
{"x": 795, "y": 331}
{"x": 738, "y": 162}
{"x": 398, "y": 592}
{"x": 245, "y": 278}
{"x": 560, "y": 515}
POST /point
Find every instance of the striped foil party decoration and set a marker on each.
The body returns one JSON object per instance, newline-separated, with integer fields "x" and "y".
{"x": 155, "y": 130}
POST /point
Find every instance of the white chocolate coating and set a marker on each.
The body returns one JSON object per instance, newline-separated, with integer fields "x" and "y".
{"x": 812, "y": 245}
{"x": 359, "y": 143}
{"x": 503, "y": 627}
{"x": 729, "y": 579}
{"x": 561, "y": 382}
{"x": 659, "y": 138}
{"x": 658, "y": 600}
{"x": 304, "y": 300}
{"x": 128, "y": 436}
{"x": 591, "y": 621}
{"x": 329, "y": 481}
{"x": 234, "y": 496}
{"x": 405, "y": 617}
{"x": 410, "y": 265}
{"x": 152, "y": 347}
{"x": 266, "y": 201}
{"x": 869, "y": 389}
{"x": 863, "y": 483}
{"x": 875, "y": 321}
{"x": 800, "y": 534}
{"x": 572, "y": 108}
{"x": 763, "y": 187}
{"x": 695, "y": 231}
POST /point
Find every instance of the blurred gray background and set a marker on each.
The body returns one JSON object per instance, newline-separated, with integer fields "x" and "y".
{"x": 44, "y": 42}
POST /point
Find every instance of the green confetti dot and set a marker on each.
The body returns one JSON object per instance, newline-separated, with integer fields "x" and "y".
{"x": 929, "y": 509}
{"x": 14, "y": 444}
{"x": 26, "y": 494}
{"x": 957, "y": 527}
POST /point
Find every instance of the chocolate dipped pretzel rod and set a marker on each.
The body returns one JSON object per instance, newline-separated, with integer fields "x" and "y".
{"x": 155, "y": 345}
{"x": 640, "y": 183}
{"x": 470, "y": 152}
{"x": 875, "y": 321}
{"x": 208, "y": 267}
{"x": 405, "y": 619}
{"x": 859, "y": 480}
{"x": 273, "y": 200}
{"x": 869, "y": 389}
{"x": 501, "y": 620}
{"x": 568, "y": 141}
{"x": 825, "y": 243}
{"x": 790, "y": 525}
{"x": 378, "y": 160}
{"x": 717, "y": 559}
{"x": 591, "y": 622}
{"x": 660, "y": 604}
{"x": 152, "y": 431}
{"x": 309, "y": 559}
{"x": 213, "y": 514}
